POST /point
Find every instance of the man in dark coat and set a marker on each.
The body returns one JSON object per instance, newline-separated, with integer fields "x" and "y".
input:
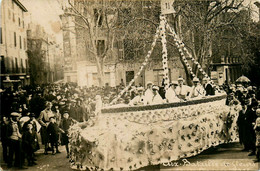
{"x": 250, "y": 118}
{"x": 37, "y": 104}
{"x": 14, "y": 131}
{"x": 208, "y": 87}
{"x": 4, "y": 138}
{"x": 241, "y": 127}
{"x": 29, "y": 139}
{"x": 53, "y": 133}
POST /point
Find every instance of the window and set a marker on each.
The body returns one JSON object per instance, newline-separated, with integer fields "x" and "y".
{"x": 14, "y": 39}
{"x": 120, "y": 46}
{"x": 16, "y": 66}
{"x": 2, "y": 64}
{"x": 13, "y": 66}
{"x": 100, "y": 47}
{"x": 98, "y": 13}
{"x": 107, "y": 78}
{"x": 9, "y": 14}
{"x": 13, "y": 18}
{"x": 26, "y": 66}
{"x": 23, "y": 24}
{"x": 95, "y": 79}
{"x": 129, "y": 75}
{"x": 20, "y": 38}
{"x": 68, "y": 79}
{"x": 24, "y": 43}
{"x": 129, "y": 49}
{"x": 1, "y": 34}
{"x": 19, "y": 21}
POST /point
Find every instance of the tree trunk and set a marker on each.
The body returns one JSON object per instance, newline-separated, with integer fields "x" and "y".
{"x": 100, "y": 71}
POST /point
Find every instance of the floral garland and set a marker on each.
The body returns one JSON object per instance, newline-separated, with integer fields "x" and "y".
{"x": 163, "y": 106}
{"x": 180, "y": 45}
{"x": 140, "y": 70}
{"x": 164, "y": 51}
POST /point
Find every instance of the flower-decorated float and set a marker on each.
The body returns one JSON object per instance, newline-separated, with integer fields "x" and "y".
{"x": 128, "y": 138}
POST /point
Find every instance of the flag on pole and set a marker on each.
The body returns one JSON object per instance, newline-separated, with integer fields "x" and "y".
{"x": 167, "y": 6}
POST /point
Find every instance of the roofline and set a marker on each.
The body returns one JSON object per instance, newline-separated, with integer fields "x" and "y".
{"x": 20, "y": 5}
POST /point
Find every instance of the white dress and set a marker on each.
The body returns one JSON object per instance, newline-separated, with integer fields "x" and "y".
{"x": 148, "y": 96}
{"x": 171, "y": 95}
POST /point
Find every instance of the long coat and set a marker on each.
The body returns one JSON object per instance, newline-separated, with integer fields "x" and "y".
{"x": 65, "y": 125}
{"x": 44, "y": 119}
{"x": 250, "y": 117}
{"x": 241, "y": 127}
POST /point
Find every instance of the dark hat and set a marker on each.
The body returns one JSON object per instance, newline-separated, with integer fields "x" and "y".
{"x": 32, "y": 115}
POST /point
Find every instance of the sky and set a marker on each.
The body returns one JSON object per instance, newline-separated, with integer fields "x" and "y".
{"x": 45, "y": 13}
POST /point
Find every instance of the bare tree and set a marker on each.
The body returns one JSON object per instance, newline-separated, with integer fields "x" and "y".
{"x": 198, "y": 21}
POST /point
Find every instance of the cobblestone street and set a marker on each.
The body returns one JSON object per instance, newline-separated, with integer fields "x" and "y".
{"x": 223, "y": 157}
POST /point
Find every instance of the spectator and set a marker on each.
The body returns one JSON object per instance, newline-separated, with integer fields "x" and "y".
{"x": 66, "y": 122}
{"x": 53, "y": 134}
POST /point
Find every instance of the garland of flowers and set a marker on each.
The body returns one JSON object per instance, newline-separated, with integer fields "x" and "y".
{"x": 164, "y": 51}
{"x": 141, "y": 68}
{"x": 180, "y": 45}
{"x": 163, "y": 106}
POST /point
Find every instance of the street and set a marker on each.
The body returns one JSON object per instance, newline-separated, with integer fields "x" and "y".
{"x": 223, "y": 157}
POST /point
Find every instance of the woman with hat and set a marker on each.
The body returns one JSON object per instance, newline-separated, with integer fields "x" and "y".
{"x": 149, "y": 92}
{"x": 171, "y": 94}
{"x": 156, "y": 99}
{"x": 44, "y": 120}
{"x": 139, "y": 99}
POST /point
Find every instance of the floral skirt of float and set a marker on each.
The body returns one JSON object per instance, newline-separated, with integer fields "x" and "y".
{"x": 129, "y": 138}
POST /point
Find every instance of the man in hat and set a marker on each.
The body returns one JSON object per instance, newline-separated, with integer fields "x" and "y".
{"x": 139, "y": 99}
{"x": 197, "y": 90}
{"x": 182, "y": 91}
{"x": 73, "y": 109}
{"x": 149, "y": 92}
{"x": 250, "y": 118}
{"x": 14, "y": 131}
{"x": 208, "y": 87}
{"x": 171, "y": 94}
{"x": 156, "y": 99}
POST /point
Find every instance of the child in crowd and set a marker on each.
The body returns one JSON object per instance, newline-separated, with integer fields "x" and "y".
{"x": 29, "y": 143}
{"x": 257, "y": 132}
{"x": 66, "y": 122}
{"x": 53, "y": 132}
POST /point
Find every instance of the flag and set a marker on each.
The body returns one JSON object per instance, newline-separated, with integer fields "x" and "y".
{"x": 167, "y": 6}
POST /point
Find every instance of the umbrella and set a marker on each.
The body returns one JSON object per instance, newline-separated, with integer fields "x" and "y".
{"x": 243, "y": 79}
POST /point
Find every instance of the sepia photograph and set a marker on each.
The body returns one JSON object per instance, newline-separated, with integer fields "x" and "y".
{"x": 125, "y": 85}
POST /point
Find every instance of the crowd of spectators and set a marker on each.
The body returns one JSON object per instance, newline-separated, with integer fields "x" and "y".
{"x": 49, "y": 110}
{"x": 248, "y": 127}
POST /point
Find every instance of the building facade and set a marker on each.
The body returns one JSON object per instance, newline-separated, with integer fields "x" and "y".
{"x": 14, "y": 59}
{"x": 119, "y": 65}
{"x": 44, "y": 55}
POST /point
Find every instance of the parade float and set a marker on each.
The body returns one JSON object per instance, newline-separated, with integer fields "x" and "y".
{"x": 128, "y": 138}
